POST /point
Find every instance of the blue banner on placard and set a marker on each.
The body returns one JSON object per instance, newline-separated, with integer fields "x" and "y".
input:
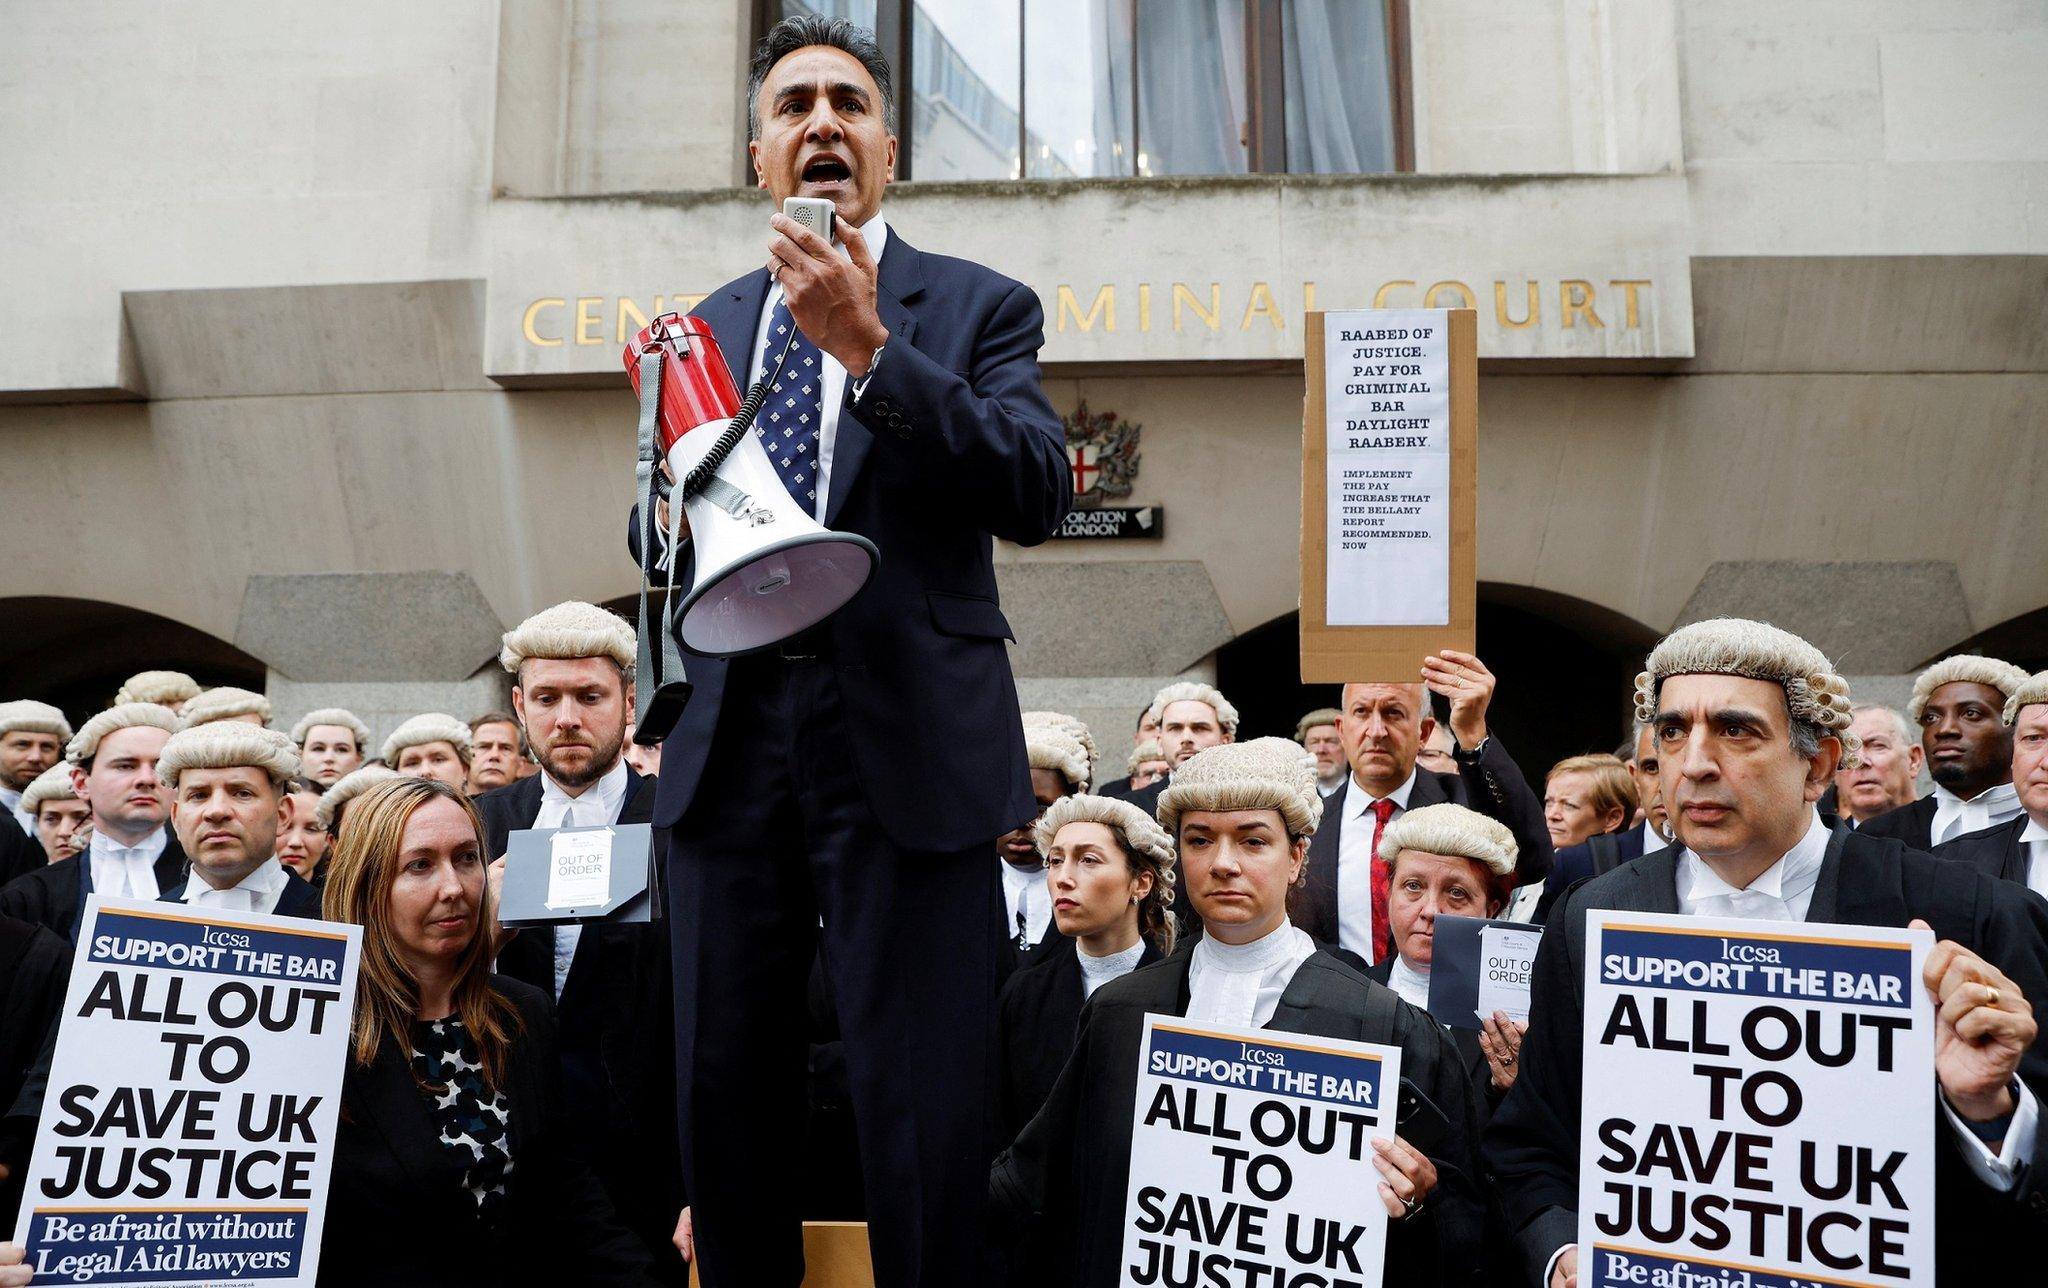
{"x": 159, "y": 1245}
{"x": 1789, "y": 967}
{"x": 1627, "y": 1268}
{"x": 170, "y": 941}
{"x": 1339, "y": 1079}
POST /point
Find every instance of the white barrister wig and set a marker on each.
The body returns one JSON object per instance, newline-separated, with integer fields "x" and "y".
{"x": 347, "y": 788}
{"x": 2026, "y": 694}
{"x": 434, "y": 726}
{"x": 165, "y": 688}
{"x": 225, "y": 703}
{"x": 227, "y": 744}
{"x": 1265, "y": 773}
{"x": 29, "y": 716}
{"x": 1055, "y": 749}
{"x": 1453, "y": 832}
{"x": 53, "y": 784}
{"x": 1133, "y": 826}
{"x": 85, "y": 744}
{"x": 339, "y": 717}
{"x": 1190, "y": 691}
{"x": 1758, "y": 651}
{"x": 568, "y": 630}
{"x": 1074, "y": 727}
{"x": 1964, "y": 668}
{"x": 1144, "y": 751}
{"x": 1319, "y": 716}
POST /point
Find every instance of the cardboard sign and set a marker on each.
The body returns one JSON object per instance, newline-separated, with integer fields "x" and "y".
{"x": 1388, "y": 491}
{"x": 1251, "y": 1157}
{"x": 189, "y": 1127}
{"x": 1478, "y": 967}
{"x": 1759, "y": 1103}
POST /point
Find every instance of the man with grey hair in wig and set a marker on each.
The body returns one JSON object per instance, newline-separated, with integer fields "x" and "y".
{"x": 1242, "y": 814}
{"x": 227, "y": 781}
{"x": 1750, "y": 722}
{"x": 226, "y": 703}
{"x": 2017, "y": 850}
{"x": 432, "y": 745}
{"x": 332, "y": 743}
{"x": 1957, "y": 703}
{"x": 1192, "y": 717}
{"x": 1317, "y": 731}
{"x": 171, "y": 689}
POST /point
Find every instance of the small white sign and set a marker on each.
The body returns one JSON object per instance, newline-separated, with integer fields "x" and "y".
{"x": 579, "y": 868}
{"x": 1505, "y": 955}
{"x": 1387, "y": 436}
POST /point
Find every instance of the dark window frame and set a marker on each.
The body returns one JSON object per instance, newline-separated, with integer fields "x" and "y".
{"x": 1265, "y": 82}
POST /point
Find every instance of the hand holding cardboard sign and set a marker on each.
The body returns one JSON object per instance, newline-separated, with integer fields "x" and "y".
{"x": 13, "y": 1267}
{"x": 1410, "y": 1175}
{"x": 1465, "y": 680}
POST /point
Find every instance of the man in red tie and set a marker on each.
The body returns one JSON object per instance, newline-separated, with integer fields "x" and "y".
{"x": 1343, "y": 897}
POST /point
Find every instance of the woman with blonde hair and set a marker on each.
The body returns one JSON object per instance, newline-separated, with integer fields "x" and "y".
{"x": 452, "y": 1165}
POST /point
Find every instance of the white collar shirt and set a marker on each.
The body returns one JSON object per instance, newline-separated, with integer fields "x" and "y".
{"x": 1411, "y": 984}
{"x": 876, "y": 233}
{"x": 126, "y": 871}
{"x": 1652, "y": 840}
{"x": 597, "y": 806}
{"x": 1954, "y": 816}
{"x": 1354, "y": 864}
{"x": 1239, "y": 985}
{"x": 1097, "y": 971}
{"x": 1027, "y": 904}
{"x": 257, "y": 892}
{"x": 1781, "y": 892}
{"x": 2035, "y": 837}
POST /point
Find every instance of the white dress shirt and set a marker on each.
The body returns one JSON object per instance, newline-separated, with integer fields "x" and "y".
{"x": 2035, "y": 838}
{"x": 598, "y": 806}
{"x": 11, "y": 801}
{"x": 1411, "y": 984}
{"x": 1653, "y": 840}
{"x": 1097, "y": 971}
{"x": 1239, "y": 985}
{"x": 1354, "y": 864}
{"x": 126, "y": 871}
{"x": 257, "y": 892}
{"x": 1027, "y": 904}
{"x": 1954, "y": 816}
{"x": 876, "y": 233}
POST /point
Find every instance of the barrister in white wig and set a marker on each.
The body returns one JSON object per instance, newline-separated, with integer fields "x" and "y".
{"x": 1749, "y": 723}
{"x": 226, "y": 703}
{"x": 1959, "y": 706}
{"x": 334, "y": 802}
{"x": 572, "y": 692}
{"x": 1242, "y": 814}
{"x": 1061, "y": 766}
{"x": 32, "y": 738}
{"x": 2017, "y": 849}
{"x": 171, "y": 689}
{"x": 227, "y": 781}
{"x": 63, "y": 822}
{"x": 113, "y": 760}
{"x": 433, "y": 745}
{"x": 332, "y": 742}
{"x": 1189, "y": 716}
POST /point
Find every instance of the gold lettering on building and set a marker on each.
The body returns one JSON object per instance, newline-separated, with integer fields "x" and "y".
{"x": 1103, "y": 308}
{"x": 1629, "y": 286}
{"x": 588, "y": 320}
{"x": 1308, "y": 297}
{"x": 1144, "y": 306}
{"x": 1213, "y": 315}
{"x": 1379, "y": 297}
{"x": 1429, "y": 297}
{"x": 1529, "y": 319}
{"x": 626, "y": 308}
{"x": 1573, "y": 298}
{"x": 527, "y": 323}
{"x": 1261, "y": 304}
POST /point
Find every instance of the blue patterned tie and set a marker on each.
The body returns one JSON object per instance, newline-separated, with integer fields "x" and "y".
{"x": 790, "y": 419}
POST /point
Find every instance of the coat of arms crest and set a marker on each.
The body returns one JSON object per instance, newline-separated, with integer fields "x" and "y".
{"x": 1102, "y": 455}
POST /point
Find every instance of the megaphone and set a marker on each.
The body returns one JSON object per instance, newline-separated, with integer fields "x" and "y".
{"x": 766, "y": 570}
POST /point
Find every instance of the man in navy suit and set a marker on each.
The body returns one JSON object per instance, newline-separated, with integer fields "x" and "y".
{"x": 844, "y": 789}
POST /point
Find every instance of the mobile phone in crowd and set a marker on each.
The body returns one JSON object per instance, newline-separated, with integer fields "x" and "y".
{"x": 814, "y": 213}
{"x": 1420, "y": 1122}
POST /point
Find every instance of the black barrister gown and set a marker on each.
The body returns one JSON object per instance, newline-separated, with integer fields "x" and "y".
{"x": 1532, "y": 1144}
{"x": 1036, "y": 1019}
{"x": 1064, "y": 1181}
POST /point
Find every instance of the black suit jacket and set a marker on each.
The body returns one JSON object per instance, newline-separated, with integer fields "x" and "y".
{"x": 1532, "y": 1145}
{"x": 35, "y": 967}
{"x": 616, "y": 1018}
{"x": 298, "y": 899}
{"x": 1494, "y": 787}
{"x": 1145, "y": 798}
{"x": 1065, "y": 1178}
{"x": 1912, "y": 824}
{"x": 20, "y": 852}
{"x": 1995, "y": 851}
{"x": 397, "y": 1213}
{"x": 1575, "y": 863}
{"x": 54, "y": 894}
{"x": 951, "y": 445}
{"x": 1037, "y": 1014}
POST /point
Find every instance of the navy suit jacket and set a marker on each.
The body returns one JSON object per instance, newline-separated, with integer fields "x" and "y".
{"x": 1575, "y": 863}
{"x": 952, "y": 444}
{"x": 1913, "y": 824}
{"x": 1995, "y": 851}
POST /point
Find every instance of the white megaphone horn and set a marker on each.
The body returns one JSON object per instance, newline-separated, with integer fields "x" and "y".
{"x": 766, "y": 570}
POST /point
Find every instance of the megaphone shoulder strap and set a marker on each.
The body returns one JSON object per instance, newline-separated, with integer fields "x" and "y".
{"x": 657, "y": 661}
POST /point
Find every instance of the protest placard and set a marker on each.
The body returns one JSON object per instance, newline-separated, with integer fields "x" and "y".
{"x": 1478, "y": 967}
{"x": 1758, "y": 1105}
{"x": 189, "y": 1127}
{"x": 1251, "y": 1159}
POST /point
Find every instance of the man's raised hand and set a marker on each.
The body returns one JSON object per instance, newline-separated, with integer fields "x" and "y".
{"x": 831, "y": 296}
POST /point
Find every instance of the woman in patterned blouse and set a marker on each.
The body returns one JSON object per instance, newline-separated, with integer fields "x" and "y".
{"x": 452, "y": 1164}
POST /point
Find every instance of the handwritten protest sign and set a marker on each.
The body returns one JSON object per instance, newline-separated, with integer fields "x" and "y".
{"x": 189, "y": 1126}
{"x": 1759, "y": 1104}
{"x": 1251, "y": 1159}
{"x": 1478, "y": 967}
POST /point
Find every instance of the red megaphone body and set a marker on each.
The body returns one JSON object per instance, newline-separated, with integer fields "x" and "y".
{"x": 696, "y": 385}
